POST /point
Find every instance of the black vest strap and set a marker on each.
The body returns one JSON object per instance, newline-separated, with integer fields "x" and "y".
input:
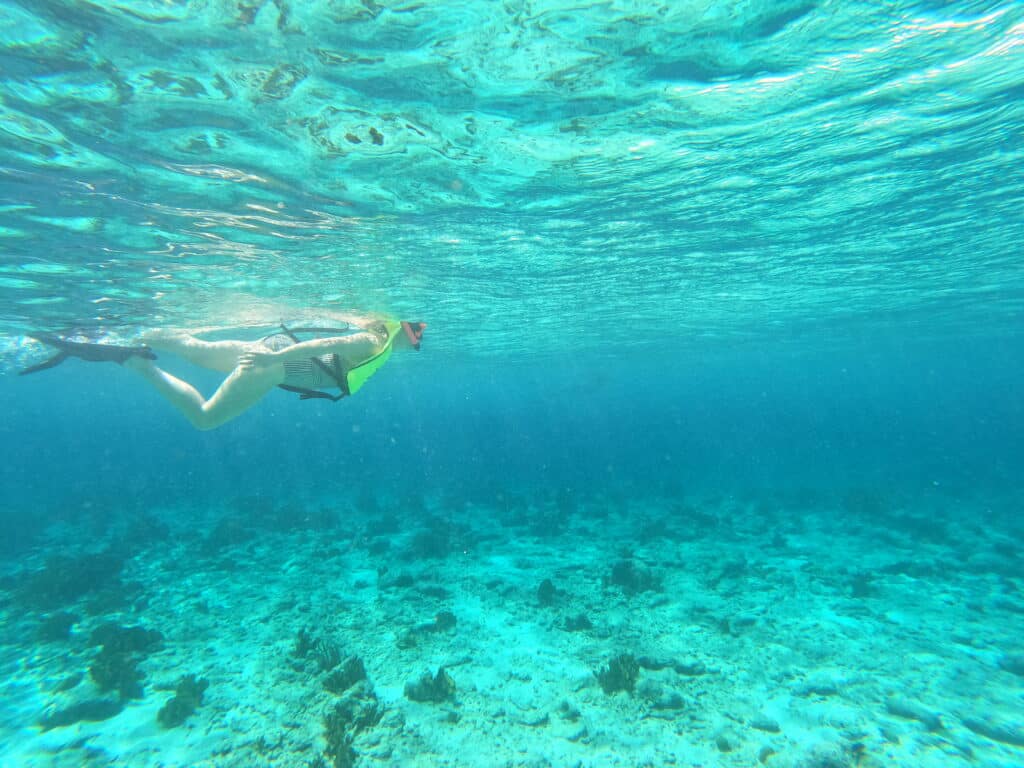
{"x": 311, "y": 394}
{"x": 334, "y": 371}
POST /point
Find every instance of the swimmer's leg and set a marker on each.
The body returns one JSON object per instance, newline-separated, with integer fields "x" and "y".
{"x": 216, "y": 355}
{"x": 243, "y": 388}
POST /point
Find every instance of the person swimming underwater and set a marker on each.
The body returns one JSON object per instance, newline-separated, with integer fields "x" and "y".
{"x": 342, "y": 358}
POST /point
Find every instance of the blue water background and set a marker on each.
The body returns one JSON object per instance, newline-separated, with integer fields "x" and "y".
{"x": 916, "y": 425}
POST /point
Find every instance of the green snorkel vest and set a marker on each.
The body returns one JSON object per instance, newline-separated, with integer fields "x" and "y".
{"x": 352, "y": 380}
{"x": 358, "y": 374}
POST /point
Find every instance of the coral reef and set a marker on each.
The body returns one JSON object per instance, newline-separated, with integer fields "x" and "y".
{"x": 57, "y": 626}
{"x": 65, "y": 579}
{"x": 443, "y": 621}
{"x": 347, "y": 674}
{"x": 187, "y": 698}
{"x": 546, "y": 593}
{"x": 826, "y": 756}
{"x": 1012, "y": 663}
{"x": 22, "y": 531}
{"x": 114, "y": 670}
{"x": 440, "y": 538}
{"x": 230, "y": 531}
{"x": 69, "y": 682}
{"x": 690, "y": 668}
{"x": 632, "y": 579}
{"x": 115, "y": 667}
{"x": 431, "y": 543}
{"x": 765, "y": 723}
{"x": 254, "y": 516}
{"x": 578, "y": 623}
{"x": 114, "y": 637}
{"x": 912, "y": 710}
{"x": 621, "y": 674}
{"x": 124, "y": 596}
{"x": 325, "y": 653}
{"x": 144, "y": 529}
{"x": 434, "y": 689}
{"x": 862, "y": 584}
{"x": 996, "y": 730}
{"x": 92, "y": 710}
{"x": 356, "y": 712}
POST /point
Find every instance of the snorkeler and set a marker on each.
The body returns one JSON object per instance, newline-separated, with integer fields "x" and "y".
{"x": 345, "y": 359}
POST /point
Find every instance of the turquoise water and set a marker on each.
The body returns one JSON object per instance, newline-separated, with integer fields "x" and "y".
{"x": 729, "y": 292}
{"x": 719, "y": 170}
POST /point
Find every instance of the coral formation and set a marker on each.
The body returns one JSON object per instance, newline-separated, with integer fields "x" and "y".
{"x": 350, "y": 672}
{"x": 621, "y": 674}
{"x": 92, "y": 710}
{"x": 230, "y": 531}
{"x": 431, "y": 543}
{"x": 996, "y": 730}
{"x": 57, "y": 626}
{"x": 115, "y": 667}
{"x": 862, "y": 584}
{"x": 725, "y": 741}
{"x": 387, "y": 524}
{"x": 325, "y": 653}
{"x": 114, "y": 637}
{"x": 65, "y": 579}
{"x": 912, "y": 710}
{"x": 69, "y": 682}
{"x": 546, "y": 593}
{"x": 1012, "y": 663}
{"x": 406, "y": 640}
{"x": 253, "y": 516}
{"x": 825, "y": 756}
{"x": 578, "y": 623}
{"x": 356, "y": 712}
{"x": 443, "y": 621}
{"x": 632, "y": 579}
{"x": 440, "y": 538}
{"x": 187, "y": 698}
{"x": 114, "y": 670}
{"x": 434, "y": 689}
{"x": 765, "y": 723}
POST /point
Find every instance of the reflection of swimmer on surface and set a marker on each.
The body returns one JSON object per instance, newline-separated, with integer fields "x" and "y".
{"x": 341, "y": 358}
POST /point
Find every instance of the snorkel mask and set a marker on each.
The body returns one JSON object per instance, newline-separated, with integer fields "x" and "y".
{"x": 414, "y": 333}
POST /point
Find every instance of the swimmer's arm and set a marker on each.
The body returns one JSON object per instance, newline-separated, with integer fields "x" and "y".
{"x": 357, "y": 321}
{"x": 357, "y": 346}
{"x": 352, "y": 348}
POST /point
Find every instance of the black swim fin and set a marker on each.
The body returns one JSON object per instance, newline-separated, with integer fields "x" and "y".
{"x": 93, "y": 353}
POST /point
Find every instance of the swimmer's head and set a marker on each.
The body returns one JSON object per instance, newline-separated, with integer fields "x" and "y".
{"x": 412, "y": 334}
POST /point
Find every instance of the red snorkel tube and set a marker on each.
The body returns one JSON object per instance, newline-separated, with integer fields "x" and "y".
{"x": 414, "y": 333}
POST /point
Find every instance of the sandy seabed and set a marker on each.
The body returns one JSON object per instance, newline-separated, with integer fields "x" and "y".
{"x": 716, "y": 632}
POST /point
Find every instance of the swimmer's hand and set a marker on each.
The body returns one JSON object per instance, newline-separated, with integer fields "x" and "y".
{"x": 248, "y": 361}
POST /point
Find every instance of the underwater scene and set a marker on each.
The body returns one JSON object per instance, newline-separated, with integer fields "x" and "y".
{"x": 511, "y": 384}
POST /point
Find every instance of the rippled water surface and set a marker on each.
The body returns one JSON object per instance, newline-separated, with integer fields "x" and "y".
{"x": 515, "y": 172}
